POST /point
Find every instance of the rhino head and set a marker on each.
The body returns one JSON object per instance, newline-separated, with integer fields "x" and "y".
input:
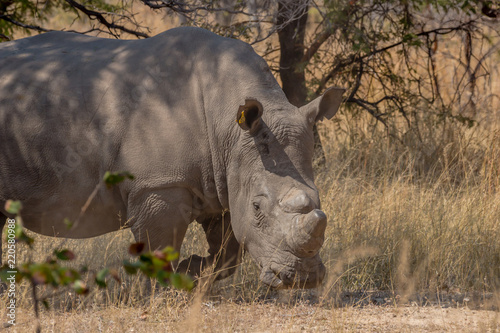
{"x": 274, "y": 203}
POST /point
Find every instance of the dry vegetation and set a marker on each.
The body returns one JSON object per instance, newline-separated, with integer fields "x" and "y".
{"x": 413, "y": 244}
{"x": 407, "y": 249}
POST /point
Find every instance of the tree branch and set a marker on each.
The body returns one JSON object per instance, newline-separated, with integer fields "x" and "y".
{"x": 311, "y": 51}
{"x": 364, "y": 104}
{"x": 99, "y": 16}
{"x": 356, "y": 58}
{"x": 23, "y": 25}
{"x": 487, "y": 10}
{"x": 184, "y": 8}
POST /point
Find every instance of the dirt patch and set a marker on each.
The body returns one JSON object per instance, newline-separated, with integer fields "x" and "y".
{"x": 215, "y": 316}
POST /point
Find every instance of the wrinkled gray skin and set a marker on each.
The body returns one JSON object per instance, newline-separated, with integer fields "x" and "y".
{"x": 165, "y": 109}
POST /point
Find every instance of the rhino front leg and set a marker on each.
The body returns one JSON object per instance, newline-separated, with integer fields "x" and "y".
{"x": 160, "y": 218}
{"x": 224, "y": 249}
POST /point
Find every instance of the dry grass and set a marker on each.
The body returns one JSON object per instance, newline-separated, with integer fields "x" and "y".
{"x": 406, "y": 250}
{"x": 265, "y": 317}
{"x": 440, "y": 229}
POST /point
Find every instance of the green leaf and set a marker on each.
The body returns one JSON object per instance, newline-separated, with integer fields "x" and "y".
{"x": 412, "y": 39}
{"x": 131, "y": 267}
{"x": 21, "y": 236}
{"x": 64, "y": 254}
{"x": 67, "y": 275}
{"x": 13, "y": 206}
{"x": 146, "y": 258}
{"x": 39, "y": 277}
{"x": 80, "y": 287}
{"x": 171, "y": 253}
{"x": 113, "y": 178}
{"x": 4, "y": 273}
{"x": 136, "y": 248}
{"x": 100, "y": 277}
{"x": 163, "y": 277}
{"x": 68, "y": 223}
{"x": 158, "y": 265}
{"x": 181, "y": 281}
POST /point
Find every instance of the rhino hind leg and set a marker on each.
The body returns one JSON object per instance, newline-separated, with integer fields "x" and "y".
{"x": 224, "y": 250}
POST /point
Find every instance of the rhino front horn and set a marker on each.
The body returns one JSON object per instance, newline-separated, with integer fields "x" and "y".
{"x": 307, "y": 233}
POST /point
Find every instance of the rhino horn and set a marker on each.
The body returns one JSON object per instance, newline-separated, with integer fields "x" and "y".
{"x": 296, "y": 201}
{"x": 307, "y": 233}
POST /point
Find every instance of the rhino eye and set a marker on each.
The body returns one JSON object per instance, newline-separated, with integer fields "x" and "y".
{"x": 259, "y": 216}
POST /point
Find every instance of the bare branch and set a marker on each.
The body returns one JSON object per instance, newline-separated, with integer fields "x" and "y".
{"x": 311, "y": 51}
{"x": 23, "y": 25}
{"x": 374, "y": 112}
{"x": 356, "y": 58}
{"x": 358, "y": 81}
{"x": 185, "y": 8}
{"x": 99, "y": 16}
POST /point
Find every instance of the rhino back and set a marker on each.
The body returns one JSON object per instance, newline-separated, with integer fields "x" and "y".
{"x": 74, "y": 106}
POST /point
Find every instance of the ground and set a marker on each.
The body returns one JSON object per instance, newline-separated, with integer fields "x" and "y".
{"x": 270, "y": 318}
{"x": 214, "y": 314}
{"x": 239, "y": 303}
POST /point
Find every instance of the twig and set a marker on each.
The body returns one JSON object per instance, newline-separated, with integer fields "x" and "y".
{"x": 37, "y": 311}
{"x": 23, "y": 25}
{"x": 95, "y": 15}
{"x": 87, "y": 204}
{"x": 357, "y": 58}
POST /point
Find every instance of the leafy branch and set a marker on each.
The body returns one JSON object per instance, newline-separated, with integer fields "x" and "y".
{"x": 52, "y": 272}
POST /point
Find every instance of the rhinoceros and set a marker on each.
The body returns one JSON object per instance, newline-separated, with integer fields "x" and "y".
{"x": 198, "y": 119}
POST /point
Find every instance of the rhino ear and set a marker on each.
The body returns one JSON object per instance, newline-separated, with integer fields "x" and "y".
{"x": 248, "y": 115}
{"x": 325, "y": 106}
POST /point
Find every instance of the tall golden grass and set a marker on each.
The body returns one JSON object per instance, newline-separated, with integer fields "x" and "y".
{"x": 394, "y": 224}
{"x": 394, "y": 230}
{"x": 427, "y": 227}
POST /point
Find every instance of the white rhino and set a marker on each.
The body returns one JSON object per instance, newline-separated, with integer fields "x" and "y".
{"x": 198, "y": 119}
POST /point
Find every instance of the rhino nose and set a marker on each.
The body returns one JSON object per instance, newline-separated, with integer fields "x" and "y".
{"x": 307, "y": 233}
{"x": 296, "y": 201}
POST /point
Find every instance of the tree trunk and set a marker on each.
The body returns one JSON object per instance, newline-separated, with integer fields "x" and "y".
{"x": 291, "y": 22}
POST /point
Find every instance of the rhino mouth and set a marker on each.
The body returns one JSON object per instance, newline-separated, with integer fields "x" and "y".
{"x": 302, "y": 274}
